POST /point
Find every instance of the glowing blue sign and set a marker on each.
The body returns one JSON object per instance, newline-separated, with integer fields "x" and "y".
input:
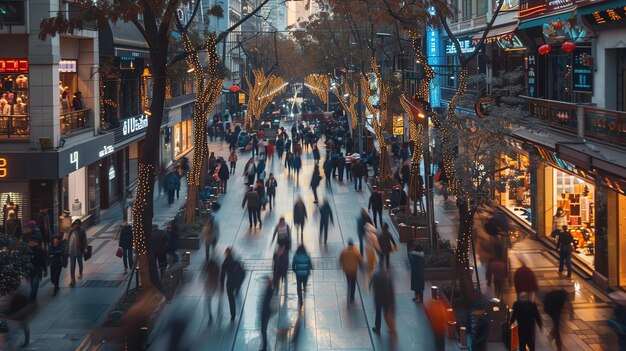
{"x": 433, "y": 45}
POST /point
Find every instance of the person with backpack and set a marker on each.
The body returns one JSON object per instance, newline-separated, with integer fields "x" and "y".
{"x": 301, "y": 266}
{"x": 282, "y": 232}
{"x": 236, "y": 275}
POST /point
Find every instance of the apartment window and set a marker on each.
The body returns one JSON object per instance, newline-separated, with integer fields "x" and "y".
{"x": 481, "y": 7}
{"x": 466, "y": 10}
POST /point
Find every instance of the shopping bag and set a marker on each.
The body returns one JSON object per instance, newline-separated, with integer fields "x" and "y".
{"x": 88, "y": 252}
{"x": 119, "y": 252}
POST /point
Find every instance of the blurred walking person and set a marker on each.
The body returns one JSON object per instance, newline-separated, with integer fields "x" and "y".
{"x": 259, "y": 187}
{"x": 250, "y": 171}
{"x": 341, "y": 165}
{"x": 283, "y": 233}
{"x": 316, "y": 177}
{"x": 211, "y": 286}
{"x": 39, "y": 266}
{"x": 525, "y": 280}
{"x": 232, "y": 158}
{"x": 384, "y": 300}
{"x": 348, "y": 163}
{"x": 316, "y": 154}
{"x": 58, "y": 260}
{"x": 478, "y": 328}
{"x": 526, "y": 315}
{"x": 436, "y": 311}
{"x": 387, "y": 245}
{"x": 233, "y": 273}
{"x": 280, "y": 267}
{"x": 350, "y": 259}
{"x": 266, "y": 310}
{"x": 372, "y": 247}
{"x": 376, "y": 205}
{"x": 270, "y": 187}
{"x": 326, "y": 217}
{"x": 159, "y": 242}
{"x": 299, "y": 217}
{"x": 297, "y": 165}
{"x": 363, "y": 219}
{"x": 126, "y": 244}
{"x": 288, "y": 161}
{"x": 565, "y": 246}
{"x": 496, "y": 273}
{"x": 418, "y": 269}
{"x": 553, "y": 304}
{"x": 251, "y": 198}
{"x": 210, "y": 234}
{"x": 301, "y": 266}
{"x": 328, "y": 169}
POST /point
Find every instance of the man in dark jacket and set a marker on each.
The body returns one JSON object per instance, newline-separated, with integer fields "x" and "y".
{"x": 384, "y": 300}
{"x": 126, "y": 244}
{"x": 224, "y": 174}
{"x": 43, "y": 222}
{"x": 75, "y": 249}
{"x": 341, "y": 164}
{"x": 326, "y": 216}
{"x": 358, "y": 174}
{"x": 526, "y": 315}
{"x": 387, "y": 244}
{"x": 254, "y": 202}
{"x": 235, "y": 273}
{"x": 39, "y": 266}
{"x": 328, "y": 169}
{"x": 565, "y": 245}
{"x": 376, "y": 205}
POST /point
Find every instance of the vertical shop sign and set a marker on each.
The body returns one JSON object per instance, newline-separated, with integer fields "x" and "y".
{"x": 432, "y": 43}
{"x": 531, "y": 68}
{"x": 582, "y": 70}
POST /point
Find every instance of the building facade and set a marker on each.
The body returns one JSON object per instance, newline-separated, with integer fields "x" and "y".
{"x": 572, "y": 170}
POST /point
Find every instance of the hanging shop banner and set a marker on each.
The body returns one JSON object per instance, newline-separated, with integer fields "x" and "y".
{"x": 607, "y": 16}
{"x": 531, "y": 69}
{"x": 582, "y": 70}
{"x": 466, "y": 44}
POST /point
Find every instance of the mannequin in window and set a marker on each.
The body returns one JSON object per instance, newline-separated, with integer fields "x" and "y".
{"x": 10, "y": 206}
{"x": 77, "y": 208}
{"x": 22, "y": 82}
{"x": 5, "y": 108}
{"x": 560, "y": 219}
{"x": 20, "y": 107}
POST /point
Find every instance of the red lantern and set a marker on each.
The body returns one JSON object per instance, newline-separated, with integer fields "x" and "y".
{"x": 568, "y": 46}
{"x": 234, "y": 88}
{"x": 544, "y": 49}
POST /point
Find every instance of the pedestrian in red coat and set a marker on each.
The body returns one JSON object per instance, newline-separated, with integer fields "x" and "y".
{"x": 525, "y": 280}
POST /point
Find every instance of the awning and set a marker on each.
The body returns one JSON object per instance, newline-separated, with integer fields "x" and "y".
{"x": 495, "y": 33}
{"x": 563, "y": 16}
{"x": 605, "y": 5}
{"x": 122, "y": 39}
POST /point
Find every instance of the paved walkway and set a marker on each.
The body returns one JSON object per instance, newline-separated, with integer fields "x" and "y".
{"x": 327, "y": 322}
{"x": 63, "y": 321}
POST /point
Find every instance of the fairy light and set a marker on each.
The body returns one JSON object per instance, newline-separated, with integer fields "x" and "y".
{"x": 145, "y": 174}
{"x": 319, "y": 85}
{"x": 261, "y": 93}
{"x": 348, "y": 99}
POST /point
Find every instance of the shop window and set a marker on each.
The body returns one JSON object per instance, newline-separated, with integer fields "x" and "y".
{"x": 515, "y": 192}
{"x": 481, "y": 7}
{"x": 574, "y": 206}
{"x": 74, "y": 193}
{"x": 466, "y": 10}
{"x": 129, "y": 97}
{"x": 68, "y": 84}
{"x": 183, "y": 139}
{"x": 14, "y": 98}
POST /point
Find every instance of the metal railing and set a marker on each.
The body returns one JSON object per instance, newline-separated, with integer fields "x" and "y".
{"x": 596, "y": 123}
{"x": 14, "y": 127}
{"x": 74, "y": 121}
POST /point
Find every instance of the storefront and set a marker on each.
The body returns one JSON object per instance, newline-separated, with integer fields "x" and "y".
{"x": 515, "y": 189}
{"x": 14, "y": 98}
{"x": 68, "y": 84}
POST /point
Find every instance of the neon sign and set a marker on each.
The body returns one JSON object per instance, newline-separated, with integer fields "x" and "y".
{"x": 3, "y": 167}
{"x": 134, "y": 124}
{"x": 13, "y": 65}
{"x": 432, "y": 43}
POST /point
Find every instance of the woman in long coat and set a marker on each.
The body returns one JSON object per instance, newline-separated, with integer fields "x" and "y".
{"x": 418, "y": 265}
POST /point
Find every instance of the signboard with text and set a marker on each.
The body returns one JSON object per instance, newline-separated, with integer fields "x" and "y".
{"x": 531, "y": 69}
{"x": 433, "y": 53}
{"x": 582, "y": 70}
{"x": 466, "y": 46}
{"x": 398, "y": 125}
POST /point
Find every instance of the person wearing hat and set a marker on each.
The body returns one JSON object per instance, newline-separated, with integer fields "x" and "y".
{"x": 76, "y": 245}
{"x": 350, "y": 260}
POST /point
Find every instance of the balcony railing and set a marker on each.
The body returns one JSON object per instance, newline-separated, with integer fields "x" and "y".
{"x": 596, "y": 123}
{"x": 75, "y": 121}
{"x": 14, "y": 127}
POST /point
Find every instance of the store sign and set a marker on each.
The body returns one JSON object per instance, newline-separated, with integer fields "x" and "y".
{"x": 582, "y": 70}
{"x": 67, "y": 66}
{"x": 531, "y": 68}
{"x": 536, "y": 8}
{"x": 106, "y": 150}
{"x": 83, "y": 154}
{"x": 432, "y": 44}
{"x": 3, "y": 167}
{"x": 607, "y": 16}
{"x": 242, "y": 98}
{"x": 13, "y": 65}
{"x": 466, "y": 46}
{"x": 509, "y": 42}
{"x": 509, "y": 5}
{"x": 134, "y": 124}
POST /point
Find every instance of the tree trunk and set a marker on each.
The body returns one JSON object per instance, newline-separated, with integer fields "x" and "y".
{"x": 384, "y": 171}
{"x": 143, "y": 210}
{"x": 464, "y": 274}
{"x": 200, "y": 158}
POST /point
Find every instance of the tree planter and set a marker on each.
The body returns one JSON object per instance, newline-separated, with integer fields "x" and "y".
{"x": 189, "y": 243}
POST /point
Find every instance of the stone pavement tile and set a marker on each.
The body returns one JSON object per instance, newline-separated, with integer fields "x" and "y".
{"x": 350, "y": 338}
